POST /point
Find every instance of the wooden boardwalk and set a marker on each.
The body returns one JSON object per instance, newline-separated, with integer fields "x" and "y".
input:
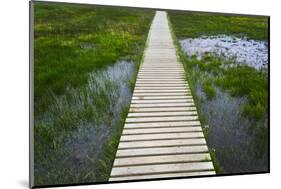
{"x": 162, "y": 136}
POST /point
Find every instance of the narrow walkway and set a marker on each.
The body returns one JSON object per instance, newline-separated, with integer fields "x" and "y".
{"x": 162, "y": 136}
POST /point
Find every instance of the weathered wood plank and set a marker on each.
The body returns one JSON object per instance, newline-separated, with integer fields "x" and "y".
{"x": 168, "y": 175}
{"x": 160, "y": 77}
{"x": 151, "y": 101}
{"x": 137, "y": 90}
{"x": 161, "y": 97}
{"x": 167, "y": 73}
{"x": 161, "y": 151}
{"x": 161, "y": 136}
{"x": 161, "y": 70}
{"x": 161, "y": 114}
{"x": 179, "y": 158}
{"x": 164, "y": 143}
{"x": 160, "y": 119}
{"x": 160, "y": 89}
{"x": 155, "y": 105}
{"x": 163, "y": 124}
{"x": 159, "y": 81}
{"x": 162, "y": 94}
{"x": 160, "y": 130}
{"x": 162, "y": 85}
{"x": 162, "y": 168}
{"x": 161, "y": 109}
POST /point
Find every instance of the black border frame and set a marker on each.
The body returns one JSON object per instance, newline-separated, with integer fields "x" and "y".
{"x": 31, "y": 98}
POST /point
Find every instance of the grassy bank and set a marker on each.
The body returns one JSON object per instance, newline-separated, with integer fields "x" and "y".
{"x": 212, "y": 73}
{"x": 85, "y": 65}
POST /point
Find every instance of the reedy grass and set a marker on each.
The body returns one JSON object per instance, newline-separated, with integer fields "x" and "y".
{"x": 208, "y": 88}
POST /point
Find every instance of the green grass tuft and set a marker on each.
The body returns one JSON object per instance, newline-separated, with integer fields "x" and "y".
{"x": 249, "y": 82}
{"x": 209, "y": 89}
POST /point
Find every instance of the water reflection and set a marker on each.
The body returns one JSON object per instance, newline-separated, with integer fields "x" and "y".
{"x": 231, "y": 134}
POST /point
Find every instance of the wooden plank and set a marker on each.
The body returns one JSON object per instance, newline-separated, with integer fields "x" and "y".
{"x": 155, "y": 62}
{"x": 163, "y": 143}
{"x": 161, "y": 97}
{"x": 161, "y": 85}
{"x": 161, "y": 136}
{"x": 167, "y": 73}
{"x": 144, "y": 160}
{"x": 161, "y": 69}
{"x": 160, "y": 119}
{"x": 165, "y": 88}
{"x": 168, "y": 175}
{"x": 160, "y": 79}
{"x": 161, "y": 130}
{"x": 162, "y": 94}
{"x": 160, "y": 109}
{"x": 171, "y": 84}
{"x": 161, "y": 114}
{"x": 163, "y": 124}
{"x": 161, "y": 73}
{"x": 161, "y": 76}
{"x": 162, "y": 101}
{"x": 162, "y": 168}
{"x": 157, "y": 105}
{"x": 161, "y": 151}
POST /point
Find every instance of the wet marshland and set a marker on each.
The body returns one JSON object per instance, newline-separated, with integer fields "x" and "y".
{"x": 92, "y": 116}
{"x": 238, "y": 141}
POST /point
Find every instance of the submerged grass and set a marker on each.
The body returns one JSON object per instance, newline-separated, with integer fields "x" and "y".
{"x": 81, "y": 90}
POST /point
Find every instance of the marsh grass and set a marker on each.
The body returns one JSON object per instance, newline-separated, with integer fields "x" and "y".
{"x": 191, "y": 25}
{"x": 209, "y": 88}
{"x": 85, "y": 65}
{"x": 247, "y": 81}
